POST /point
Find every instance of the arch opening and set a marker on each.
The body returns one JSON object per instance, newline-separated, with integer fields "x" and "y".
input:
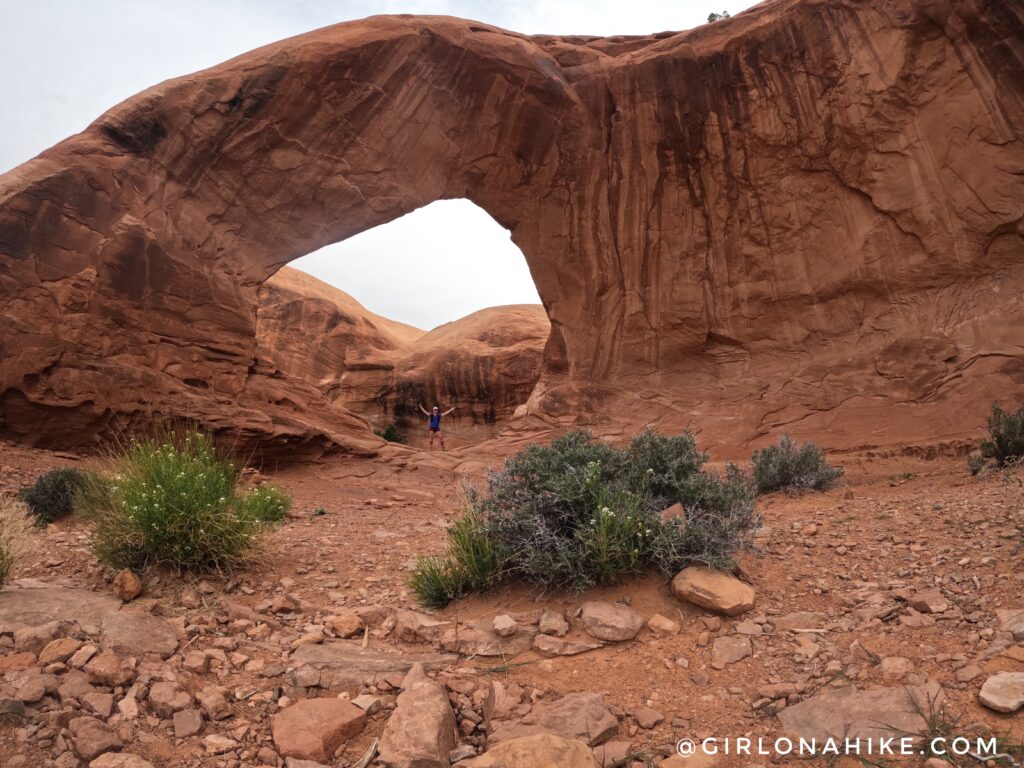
{"x": 435, "y": 307}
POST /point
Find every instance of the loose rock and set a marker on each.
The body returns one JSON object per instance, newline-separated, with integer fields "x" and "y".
{"x": 421, "y": 732}
{"x": 713, "y": 590}
{"x": 312, "y": 729}
{"x": 1003, "y": 692}
{"x": 610, "y": 621}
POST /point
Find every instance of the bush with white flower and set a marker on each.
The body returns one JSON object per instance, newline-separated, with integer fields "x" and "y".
{"x": 172, "y": 500}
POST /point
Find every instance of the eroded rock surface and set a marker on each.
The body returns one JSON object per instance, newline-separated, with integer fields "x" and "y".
{"x": 814, "y": 208}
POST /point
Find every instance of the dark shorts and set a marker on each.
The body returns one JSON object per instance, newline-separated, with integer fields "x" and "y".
{"x": 435, "y": 429}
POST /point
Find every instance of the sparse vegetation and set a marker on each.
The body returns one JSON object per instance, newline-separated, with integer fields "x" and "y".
{"x": 712, "y": 17}
{"x": 578, "y": 513}
{"x": 787, "y": 465}
{"x": 52, "y": 495}
{"x": 171, "y": 500}
{"x": 975, "y": 463}
{"x": 1006, "y": 436}
{"x": 15, "y": 535}
{"x": 266, "y": 503}
{"x": 390, "y": 433}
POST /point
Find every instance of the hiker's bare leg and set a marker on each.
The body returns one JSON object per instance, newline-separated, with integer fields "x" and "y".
{"x": 431, "y": 446}
{"x": 440, "y": 436}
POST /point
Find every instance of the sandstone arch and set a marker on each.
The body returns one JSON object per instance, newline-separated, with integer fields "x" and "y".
{"x": 808, "y": 216}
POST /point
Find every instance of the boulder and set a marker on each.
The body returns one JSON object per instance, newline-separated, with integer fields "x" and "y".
{"x": 542, "y": 750}
{"x": 107, "y": 668}
{"x": 612, "y": 622}
{"x": 713, "y": 590}
{"x": 345, "y": 624}
{"x": 59, "y": 650}
{"x": 313, "y": 729}
{"x": 127, "y": 586}
{"x": 1003, "y": 692}
{"x": 421, "y": 731}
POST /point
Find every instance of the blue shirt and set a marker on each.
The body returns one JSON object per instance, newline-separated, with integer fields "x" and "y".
{"x": 435, "y": 420}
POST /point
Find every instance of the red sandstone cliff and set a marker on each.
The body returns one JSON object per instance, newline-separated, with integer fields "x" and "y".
{"x": 487, "y": 364}
{"x": 807, "y": 217}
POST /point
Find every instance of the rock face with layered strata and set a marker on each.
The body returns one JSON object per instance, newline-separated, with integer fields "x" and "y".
{"x": 486, "y": 364}
{"x": 806, "y": 217}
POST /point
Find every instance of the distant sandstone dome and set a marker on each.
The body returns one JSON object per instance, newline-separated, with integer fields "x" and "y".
{"x": 486, "y": 364}
{"x": 809, "y": 217}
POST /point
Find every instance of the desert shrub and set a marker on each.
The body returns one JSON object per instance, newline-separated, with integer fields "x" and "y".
{"x": 169, "y": 500}
{"x": 1006, "y": 436}
{"x": 52, "y": 495}
{"x": 787, "y": 465}
{"x": 390, "y": 433}
{"x": 579, "y": 513}
{"x": 266, "y": 503}
{"x": 975, "y": 463}
{"x": 15, "y": 535}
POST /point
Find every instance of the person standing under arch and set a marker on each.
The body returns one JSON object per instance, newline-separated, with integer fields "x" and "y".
{"x": 435, "y": 414}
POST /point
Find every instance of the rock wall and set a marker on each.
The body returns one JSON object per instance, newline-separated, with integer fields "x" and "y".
{"x": 486, "y": 364}
{"x": 807, "y": 217}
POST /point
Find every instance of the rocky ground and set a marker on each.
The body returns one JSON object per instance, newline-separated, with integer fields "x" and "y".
{"x": 904, "y": 581}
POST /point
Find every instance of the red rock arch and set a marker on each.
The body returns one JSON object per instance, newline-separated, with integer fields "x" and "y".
{"x": 737, "y": 227}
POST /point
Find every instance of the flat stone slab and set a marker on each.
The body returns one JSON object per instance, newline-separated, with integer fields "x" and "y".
{"x": 872, "y": 714}
{"x": 474, "y": 641}
{"x": 344, "y": 664}
{"x": 580, "y": 716}
{"x": 31, "y": 603}
{"x": 133, "y": 633}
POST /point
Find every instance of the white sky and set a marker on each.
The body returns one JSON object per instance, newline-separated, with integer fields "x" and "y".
{"x": 67, "y": 61}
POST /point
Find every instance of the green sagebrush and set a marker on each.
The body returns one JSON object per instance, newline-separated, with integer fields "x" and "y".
{"x": 579, "y": 513}
{"x": 787, "y": 465}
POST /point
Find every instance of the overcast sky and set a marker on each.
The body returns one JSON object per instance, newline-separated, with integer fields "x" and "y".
{"x": 67, "y": 61}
